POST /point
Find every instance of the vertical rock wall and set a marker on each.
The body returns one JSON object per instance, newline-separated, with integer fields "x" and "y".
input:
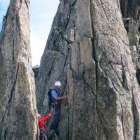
{"x": 88, "y": 50}
{"x": 17, "y": 86}
{"x": 131, "y": 17}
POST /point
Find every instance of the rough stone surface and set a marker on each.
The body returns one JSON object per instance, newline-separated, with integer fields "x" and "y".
{"x": 17, "y": 85}
{"x": 88, "y": 50}
{"x": 131, "y": 17}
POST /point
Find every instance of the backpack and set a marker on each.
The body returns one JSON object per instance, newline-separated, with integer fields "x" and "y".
{"x": 51, "y": 99}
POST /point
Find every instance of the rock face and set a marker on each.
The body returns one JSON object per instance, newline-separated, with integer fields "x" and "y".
{"x": 88, "y": 50}
{"x": 130, "y": 8}
{"x": 17, "y": 86}
{"x": 131, "y": 16}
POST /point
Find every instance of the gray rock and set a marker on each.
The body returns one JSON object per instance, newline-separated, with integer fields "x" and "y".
{"x": 88, "y": 50}
{"x": 17, "y": 86}
{"x": 131, "y": 17}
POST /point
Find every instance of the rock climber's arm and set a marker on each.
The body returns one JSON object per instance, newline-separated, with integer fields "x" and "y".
{"x": 55, "y": 96}
{"x": 62, "y": 98}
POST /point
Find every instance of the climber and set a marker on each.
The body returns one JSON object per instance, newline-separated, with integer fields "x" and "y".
{"x": 42, "y": 120}
{"x": 55, "y": 99}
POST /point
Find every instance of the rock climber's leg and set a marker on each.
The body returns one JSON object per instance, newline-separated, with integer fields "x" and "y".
{"x": 55, "y": 124}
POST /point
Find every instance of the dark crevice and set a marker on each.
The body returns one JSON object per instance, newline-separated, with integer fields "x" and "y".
{"x": 139, "y": 29}
{"x": 68, "y": 111}
{"x": 126, "y": 24}
{"x": 124, "y": 79}
{"x": 67, "y": 22}
{"x": 13, "y": 50}
{"x": 73, "y": 3}
{"x": 66, "y": 63}
{"x": 35, "y": 70}
{"x": 26, "y": 4}
{"x": 94, "y": 44}
{"x": 11, "y": 95}
{"x": 123, "y": 4}
{"x": 69, "y": 13}
{"x": 114, "y": 70}
{"x": 66, "y": 39}
{"x": 135, "y": 117}
{"x": 123, "y": 121}
{"x": 138, "y": 75}
{"x": 5, "y": 134}
{"x": 13, "y": 87}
